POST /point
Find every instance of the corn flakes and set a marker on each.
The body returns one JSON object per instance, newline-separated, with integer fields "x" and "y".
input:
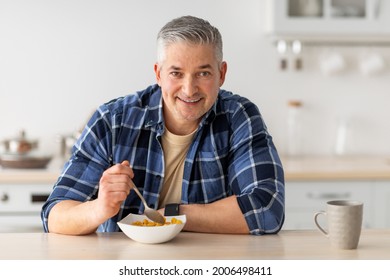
{"x": 148, "y": 223}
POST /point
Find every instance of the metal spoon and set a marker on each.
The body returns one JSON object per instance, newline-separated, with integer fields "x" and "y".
{"x": 152, "y": 214}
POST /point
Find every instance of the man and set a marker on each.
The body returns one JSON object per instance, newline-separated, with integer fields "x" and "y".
{"x": 183, "y": 141}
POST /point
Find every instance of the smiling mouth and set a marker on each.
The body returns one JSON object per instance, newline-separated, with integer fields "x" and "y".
{"x": 190, "y": 100}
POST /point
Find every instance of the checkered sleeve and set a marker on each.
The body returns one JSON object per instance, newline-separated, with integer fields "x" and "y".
{"x": 256, "y": 174}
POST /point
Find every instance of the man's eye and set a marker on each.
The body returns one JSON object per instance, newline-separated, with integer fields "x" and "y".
{"x": 175, "y": 74}
{"x": 204, "y": 74}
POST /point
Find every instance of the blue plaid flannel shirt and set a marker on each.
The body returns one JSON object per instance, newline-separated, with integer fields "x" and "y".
{"x": 232, "y": 153}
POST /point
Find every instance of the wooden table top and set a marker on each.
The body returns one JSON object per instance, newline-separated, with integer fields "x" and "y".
{"x": 287, "y": 244}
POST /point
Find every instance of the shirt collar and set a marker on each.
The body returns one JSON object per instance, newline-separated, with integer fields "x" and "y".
{"x": 154, "y": 114}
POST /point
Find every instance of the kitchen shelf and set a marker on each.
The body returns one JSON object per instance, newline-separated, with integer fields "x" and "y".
{"x": 289, "y": 20}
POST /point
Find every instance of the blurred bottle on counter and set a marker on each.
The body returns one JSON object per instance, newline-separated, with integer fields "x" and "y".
{"x": 341, "y": 137}
{"x": 294, "y": 128}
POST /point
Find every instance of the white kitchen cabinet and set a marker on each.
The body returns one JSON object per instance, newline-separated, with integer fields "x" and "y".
{"x": 20, "y": 206}
{"x": 329, "y": 19}
{"x": 304, "y": 198}
{"x": 382, "y": 204}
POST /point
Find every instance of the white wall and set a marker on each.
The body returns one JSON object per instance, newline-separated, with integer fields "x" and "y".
{"x": 59, "y": 60}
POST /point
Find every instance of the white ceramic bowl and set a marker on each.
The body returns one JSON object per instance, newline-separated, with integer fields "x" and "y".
{"x": 143, "y": 234}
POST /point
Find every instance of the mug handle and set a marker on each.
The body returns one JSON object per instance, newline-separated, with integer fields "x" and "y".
{"x": 318, "y": 225}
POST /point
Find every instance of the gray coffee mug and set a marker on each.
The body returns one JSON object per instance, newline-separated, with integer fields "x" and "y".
{"x": 344, "y": 219}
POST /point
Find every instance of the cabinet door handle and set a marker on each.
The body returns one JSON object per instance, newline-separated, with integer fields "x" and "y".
{"x": 39, "y": 197}
{"x": 4, "y": 197}
{"x": 329, "y": 196}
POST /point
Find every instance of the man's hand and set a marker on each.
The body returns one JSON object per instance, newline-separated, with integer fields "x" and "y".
{"x": 114, "y": 187}
{"x": 77, "y": 218}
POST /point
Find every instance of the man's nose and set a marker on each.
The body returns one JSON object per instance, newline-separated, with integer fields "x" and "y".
{"x": 189, "y": 86}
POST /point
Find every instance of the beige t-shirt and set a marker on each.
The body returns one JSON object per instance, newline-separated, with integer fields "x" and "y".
{"x": 175, "y": 150}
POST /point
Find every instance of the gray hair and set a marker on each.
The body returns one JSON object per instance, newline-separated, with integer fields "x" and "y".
{"x": 192, "y": 30}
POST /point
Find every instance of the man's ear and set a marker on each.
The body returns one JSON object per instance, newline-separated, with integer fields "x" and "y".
{"x": 222, "y": 70}
{"x": 157, "y": 72}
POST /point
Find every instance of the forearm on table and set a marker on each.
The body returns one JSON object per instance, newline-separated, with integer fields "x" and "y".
{"x": 73, "y": 218}
{"x": 223, "y": 216}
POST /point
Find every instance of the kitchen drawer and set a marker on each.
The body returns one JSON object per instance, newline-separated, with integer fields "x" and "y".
{"x": 316, "y": 194}
{"x": 22, "y": 222}
{"x": 23, "y": 198}
{"x": 304, "y": 219}
{"x": 299, "y": 220}
{"x": 382, "y": 204}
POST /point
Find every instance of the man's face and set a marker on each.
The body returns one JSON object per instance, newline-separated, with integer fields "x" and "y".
{"x": 190, "y": 78}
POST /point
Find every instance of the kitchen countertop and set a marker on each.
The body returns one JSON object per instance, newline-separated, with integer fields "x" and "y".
{"x": 287, "y": 244}
{"x": 337, "y": 168}
{"x": 296, "y": 169}
{"x": 48, "y": 175}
